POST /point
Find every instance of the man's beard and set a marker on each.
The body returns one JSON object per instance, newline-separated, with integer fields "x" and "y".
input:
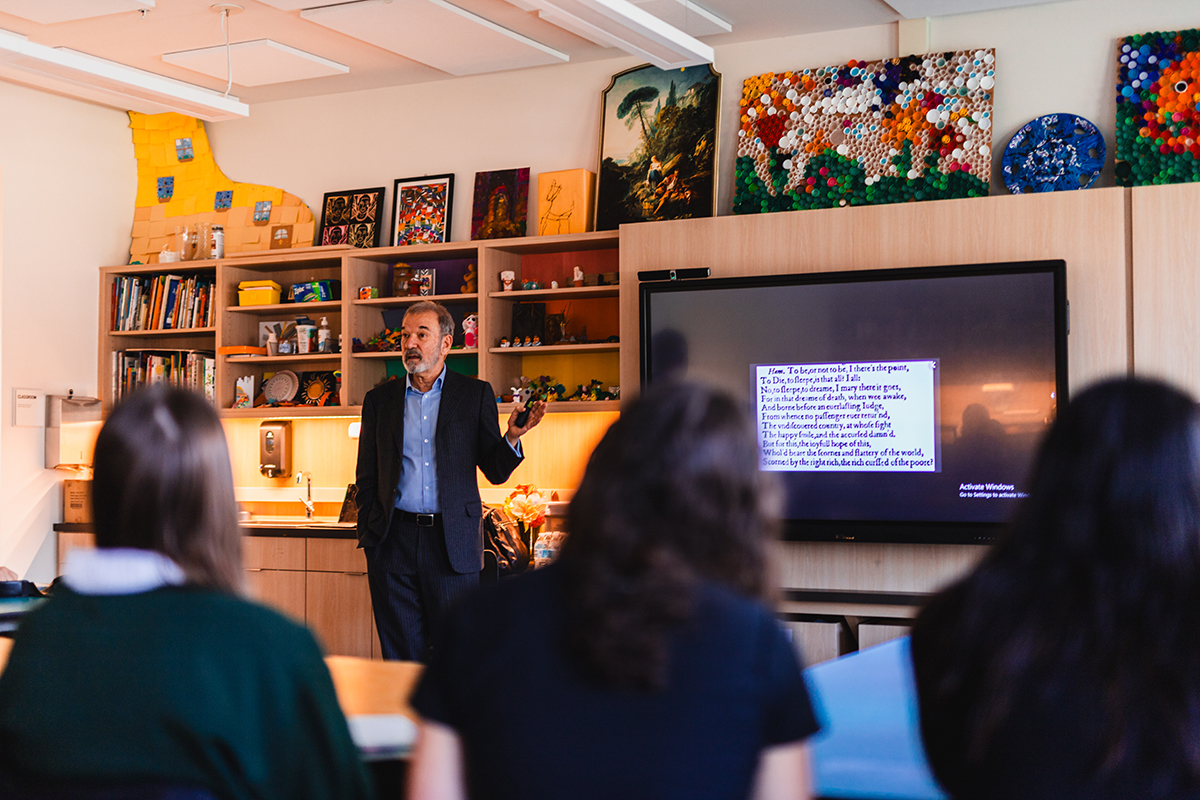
{"x": 419, "y": 367}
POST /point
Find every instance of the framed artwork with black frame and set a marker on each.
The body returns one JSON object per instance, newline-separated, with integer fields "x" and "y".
{"x": 658, "y": 145}
{"x": 421, "y": 209}
{"x": 351, "y": 217}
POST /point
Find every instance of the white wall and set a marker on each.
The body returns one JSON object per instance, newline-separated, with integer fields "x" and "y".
{"x": 69, "y": 181}
{"x": 1051, "y": 58}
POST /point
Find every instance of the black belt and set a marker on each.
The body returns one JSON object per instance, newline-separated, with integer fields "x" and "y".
{"x": 421, "y": 520}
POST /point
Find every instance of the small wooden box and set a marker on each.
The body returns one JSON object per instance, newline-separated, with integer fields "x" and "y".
{"x": 565, "y": 201}
{"x": 77, "y": 501}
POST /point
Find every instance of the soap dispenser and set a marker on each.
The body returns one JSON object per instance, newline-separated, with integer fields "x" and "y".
{"x": 275, "y": 449}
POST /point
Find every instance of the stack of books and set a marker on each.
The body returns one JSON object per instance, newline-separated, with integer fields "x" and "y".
{"x": 162, "y": 302}
{"x": 189, "y": 369}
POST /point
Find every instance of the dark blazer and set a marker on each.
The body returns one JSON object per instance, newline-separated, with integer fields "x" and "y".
{"x": 468, "y": 436}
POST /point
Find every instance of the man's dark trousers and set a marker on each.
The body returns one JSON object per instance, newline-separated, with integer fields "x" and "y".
{"x": 412, "y": 585}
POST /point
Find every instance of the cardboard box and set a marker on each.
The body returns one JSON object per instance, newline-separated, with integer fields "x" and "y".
{"x": 77, "y": 501}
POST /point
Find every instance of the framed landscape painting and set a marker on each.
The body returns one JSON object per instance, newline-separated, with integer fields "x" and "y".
{"x": 658, "y": 146}
{"x": 351, "y": 217}
{"x": 421, "y": 209}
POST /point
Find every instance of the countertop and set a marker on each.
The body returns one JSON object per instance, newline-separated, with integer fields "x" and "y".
{"x": 319, "y": 528}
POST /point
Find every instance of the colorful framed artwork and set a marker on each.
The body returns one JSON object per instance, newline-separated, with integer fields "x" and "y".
{"x": 500, "y": 206}
{"x": 658, "y": 145}
{"x": 565, "y": 201}
{"x": 351, "y": 217}
{"x": 1158, "y": 124}
{"x": 866, "y": 133}
{"x": 421, "y": 209}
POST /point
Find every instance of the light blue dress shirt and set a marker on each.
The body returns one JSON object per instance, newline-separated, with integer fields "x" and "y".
{"x": 418, "y": 488}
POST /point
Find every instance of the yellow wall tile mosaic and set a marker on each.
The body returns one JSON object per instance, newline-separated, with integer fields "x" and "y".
{"x": 179, "y": 183}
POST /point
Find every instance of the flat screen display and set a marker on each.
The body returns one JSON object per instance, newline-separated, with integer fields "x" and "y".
{"x": 899, "y": 405}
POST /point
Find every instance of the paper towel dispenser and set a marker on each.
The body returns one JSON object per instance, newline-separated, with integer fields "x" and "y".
{"x": 72, "y": 425}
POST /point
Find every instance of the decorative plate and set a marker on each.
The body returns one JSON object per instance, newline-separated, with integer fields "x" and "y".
{"x": 318, "y": 388}
{"x": 281, "y": 387}
{"x": 1057, "y": 152}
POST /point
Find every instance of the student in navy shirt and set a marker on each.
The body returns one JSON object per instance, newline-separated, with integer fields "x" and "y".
{"x": 645, "y": 663}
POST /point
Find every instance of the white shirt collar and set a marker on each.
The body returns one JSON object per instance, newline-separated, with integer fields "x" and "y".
{"x": 119, "y": 570}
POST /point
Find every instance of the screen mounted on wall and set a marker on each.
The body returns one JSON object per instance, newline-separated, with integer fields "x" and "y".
{"x": 900, "y": 405}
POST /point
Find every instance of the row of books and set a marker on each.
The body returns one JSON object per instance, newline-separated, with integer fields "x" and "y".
{"x": 190, "y": 369}
{"x": 162, "y": 302}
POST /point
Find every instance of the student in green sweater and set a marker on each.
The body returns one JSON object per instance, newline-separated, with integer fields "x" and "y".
{"x": 146, "y": 667}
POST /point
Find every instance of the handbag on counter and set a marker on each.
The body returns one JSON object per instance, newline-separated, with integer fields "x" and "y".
{"x": 504, "y": 551}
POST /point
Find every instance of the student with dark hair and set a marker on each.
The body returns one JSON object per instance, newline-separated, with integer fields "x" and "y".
{"x": 645, "y": 664}
{"x": 145, "y": 668}
{"x": 1067, "y": 664}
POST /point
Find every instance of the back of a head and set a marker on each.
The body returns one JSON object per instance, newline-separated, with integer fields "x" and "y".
{"x": 1099, "y": 574}
{"x": 672, "y": 495}
{"x": 163, "y": 482}
{"x": 1115, "y": 492}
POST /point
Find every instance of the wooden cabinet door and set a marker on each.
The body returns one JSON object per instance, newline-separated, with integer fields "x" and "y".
{"x": 283, "y": 590}
{"x": 338, "y": 610}
{"x": 69, "y": 541}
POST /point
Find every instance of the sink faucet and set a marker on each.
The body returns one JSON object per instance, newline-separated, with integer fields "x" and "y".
{"x": 308, "y": 503}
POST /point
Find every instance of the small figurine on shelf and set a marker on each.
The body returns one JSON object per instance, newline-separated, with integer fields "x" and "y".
{"x": 402, "y": 275}
{"x": 470, "y": 325}
{"x": 578, "y": 276}
{"x": 537, "y": 341}
{"x": 553, "y": 284}
{"x": 504, "y": 341}
{"x": 530, "y": 285}
{"x": 470, "y": 280}
{"x": 528, "y": 342}
{"x": 507, "y": 278}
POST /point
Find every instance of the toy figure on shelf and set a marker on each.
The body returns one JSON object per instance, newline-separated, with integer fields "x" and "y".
{"x": 537, "y": 341}
{"x": 504, "y": 341}
{"x": 470, "y": 280}
{"x": 578, "y": 276}
{"x": 528, "y": 342}
{"x": 507, "y": 278}
{"x": 547, "y": 389}
{"x": 402, "y": 275}
{"x": 470, "y": 325}
{"x": 530, "y": 285}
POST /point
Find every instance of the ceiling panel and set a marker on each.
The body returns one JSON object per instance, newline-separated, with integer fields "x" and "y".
{"x": 913, "y": 9}
{"x": 436, "y": 33}
{"x": 257, "y": 63}
{"x": 685, "y": 15}
{"x": 49, "y": 12}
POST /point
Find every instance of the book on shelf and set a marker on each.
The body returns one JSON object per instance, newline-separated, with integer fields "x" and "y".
{"x": 188, "y": 369}
{"x": 162, "y": 302}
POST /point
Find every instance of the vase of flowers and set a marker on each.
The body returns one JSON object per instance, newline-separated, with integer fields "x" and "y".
{"x": 528, "y": 506}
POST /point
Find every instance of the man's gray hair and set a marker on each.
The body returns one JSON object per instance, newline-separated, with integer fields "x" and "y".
{"x": 445, "y": 321}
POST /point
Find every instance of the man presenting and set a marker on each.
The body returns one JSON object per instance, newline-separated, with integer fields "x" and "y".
{"x": 418, "y": 499}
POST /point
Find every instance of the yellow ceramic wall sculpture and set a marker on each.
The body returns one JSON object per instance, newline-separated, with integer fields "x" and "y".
{"x": 179, "y": 183}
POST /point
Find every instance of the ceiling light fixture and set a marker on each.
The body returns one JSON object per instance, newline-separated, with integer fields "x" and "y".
{"x": 98, "y": 80}
{"x": 621, "y": 24}
{"x": 225, "y": 9}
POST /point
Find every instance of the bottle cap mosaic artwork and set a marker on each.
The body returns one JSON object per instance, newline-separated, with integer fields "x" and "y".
{"x": 866, "y": 133}
{"x": 1053, "y": 153}
{"x": 1158, "y": 128}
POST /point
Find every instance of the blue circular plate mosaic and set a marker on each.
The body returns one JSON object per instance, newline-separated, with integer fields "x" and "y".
{"x": 1053, "y": 153}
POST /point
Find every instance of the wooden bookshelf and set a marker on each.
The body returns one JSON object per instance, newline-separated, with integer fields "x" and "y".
{"x": 352, "y": 317}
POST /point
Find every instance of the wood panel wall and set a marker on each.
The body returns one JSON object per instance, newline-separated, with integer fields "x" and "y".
{"x": 1166, "y": 279}
{"x": 1088, "y": 229}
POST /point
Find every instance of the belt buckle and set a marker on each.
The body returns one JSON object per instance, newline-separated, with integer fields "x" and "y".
{"x": 425, "y": 520}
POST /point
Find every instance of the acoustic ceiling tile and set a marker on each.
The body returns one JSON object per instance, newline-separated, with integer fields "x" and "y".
{"x": 686, "y": 16}
{"x": 436, "y": 33}
{"x": 48, "y": 12}
{"x": 257, "y": 63}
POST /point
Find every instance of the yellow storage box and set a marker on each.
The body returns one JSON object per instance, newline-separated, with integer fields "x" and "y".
{"x": 258, "y": 293}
